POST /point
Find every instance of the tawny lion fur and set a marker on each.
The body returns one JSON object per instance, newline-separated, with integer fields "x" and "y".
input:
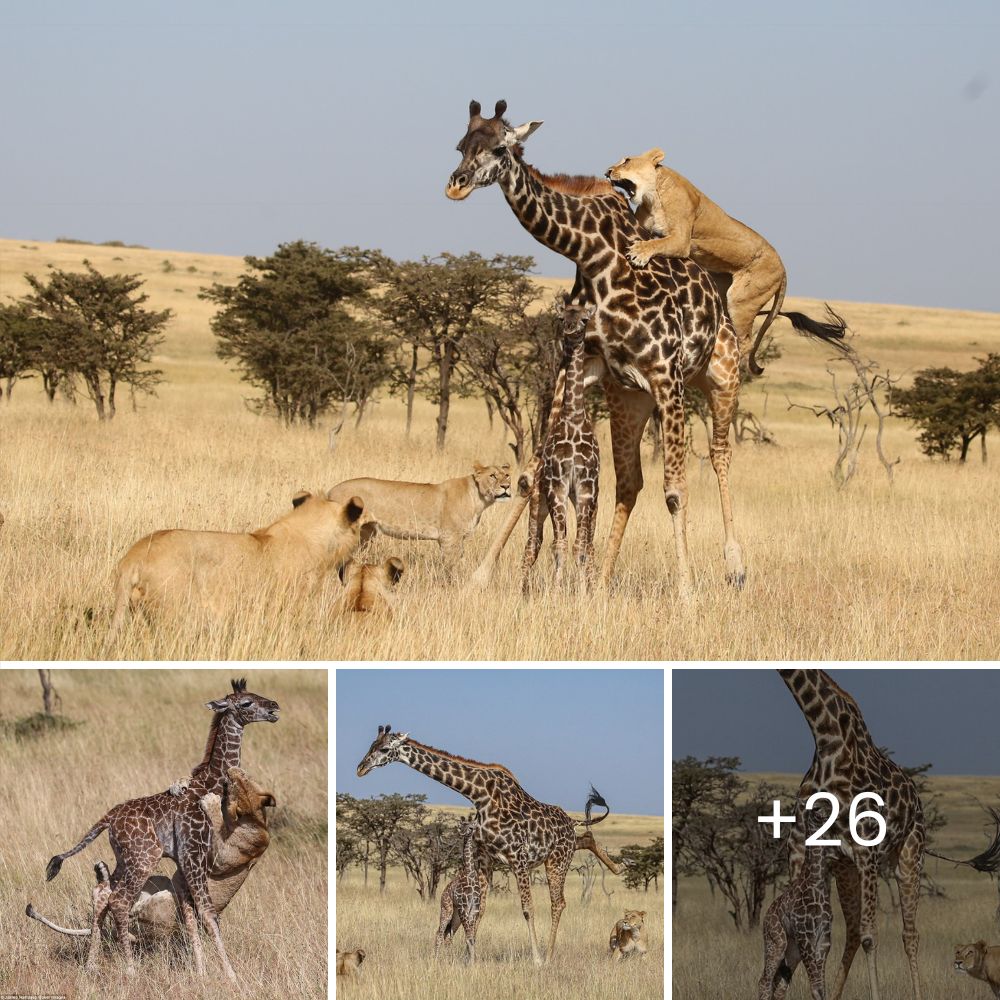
{"x": 369, "y": 587}
{"x": 211, "y": 567}
{"x": 349, "y": 962}
{"x": 445, "y": 512}
{"x": 981, "y": 961}
{"x": 689, "y": 224}
{"x": 627, "y": 936}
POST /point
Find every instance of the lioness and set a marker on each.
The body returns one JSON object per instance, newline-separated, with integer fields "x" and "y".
{"x": 369, "y": 587}
{"x": 349, "y": 962}
{"x": 445, "y": 512}
{"x": 239, "y": 838}
{"x": 980, "y": 961}
{"x": 689, "y": 224}
{"x": 627, "y": 936}
{"x": 319, "y": 533}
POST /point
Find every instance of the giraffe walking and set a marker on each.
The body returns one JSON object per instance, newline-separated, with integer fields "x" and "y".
{"x": 569, "y": 463}
{"x": 797, "y": 928}
{"x": 657, "y": 329}
{"x": 168, "y": 824}
{"x": 464, "y": 898}
{"x": 511, "y": 826}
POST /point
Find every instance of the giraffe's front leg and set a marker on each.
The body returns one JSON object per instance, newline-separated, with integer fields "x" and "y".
{"x": 537, "y": 512}
{"x": 524, "y": 888}
{"x": 557, "y": 511}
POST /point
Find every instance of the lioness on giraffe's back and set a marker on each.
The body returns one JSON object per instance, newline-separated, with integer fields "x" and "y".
{"x": 445, "y": 512}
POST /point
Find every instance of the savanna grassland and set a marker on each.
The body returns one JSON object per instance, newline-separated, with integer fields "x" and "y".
{"x": 870, "y": 572}
{"x": 133, "y": 733}
{"x": 967, "y": 912}
{"x": 397, "y": 932}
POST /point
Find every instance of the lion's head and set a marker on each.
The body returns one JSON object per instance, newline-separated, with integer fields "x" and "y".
{"x": 633, "y": 920}
{"x": 635, "y": 176}
{"x": 969, "y": 957}
{"x": 492, "y": 481}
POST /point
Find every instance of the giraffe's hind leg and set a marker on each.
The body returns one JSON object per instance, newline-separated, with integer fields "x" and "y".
{"x": 445, "y": 930}
{"x": 556, "y": 867}
{"x": 849, "y": 893}
{"x": 193, "y": 862}
{"x": 908, "y": 880}
{"x": 669, "y": 396}
{"x": 102, "y": 894}
{"x": 721, "y": 385}
{"x": 629, "y": 412}
{"x": 135, "y": 864}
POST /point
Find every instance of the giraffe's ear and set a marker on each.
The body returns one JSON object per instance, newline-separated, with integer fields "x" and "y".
{"x": 217, "y": 706}
{"x": 513, "y": 136}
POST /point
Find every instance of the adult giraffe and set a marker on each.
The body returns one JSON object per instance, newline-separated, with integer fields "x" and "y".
{"x": 655, "y": 330}
{"x": 511, "y": 826}
{"x": 846, "y": 763}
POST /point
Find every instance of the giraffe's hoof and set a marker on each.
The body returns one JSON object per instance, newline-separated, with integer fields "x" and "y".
{"x": 737, "y": 580}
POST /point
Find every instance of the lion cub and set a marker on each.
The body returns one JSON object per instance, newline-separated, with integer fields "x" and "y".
{"x": 349, "y": 962}
{"x": 369, "y": 587}
{"x": 980, "y": 961}
{"x": 627, "y": 936}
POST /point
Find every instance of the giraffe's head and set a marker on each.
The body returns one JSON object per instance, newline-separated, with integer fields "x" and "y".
{"x": 574, "y": 318}
{"x": 384, "y": 750}
{"x": 244, "y": 706}
{"x": 485, "y": 150}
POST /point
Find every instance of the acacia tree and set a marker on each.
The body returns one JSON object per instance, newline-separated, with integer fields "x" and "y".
{"x": 645, "y": 864}
{"x": 378, "y": 820}
{"x": 433, "y": 305}
{"x": 17, "y": 343}
{"x": 953, "y": 408}
{"x": 426, "y": 847}
{"x": 291, "y": 326}
{"x": 96, "y": 329}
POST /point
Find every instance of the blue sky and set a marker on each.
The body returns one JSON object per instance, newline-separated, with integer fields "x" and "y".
{"x": 946, "y": 717}
{"x": 859, "y": 138}
{"x": 558, "y": 731}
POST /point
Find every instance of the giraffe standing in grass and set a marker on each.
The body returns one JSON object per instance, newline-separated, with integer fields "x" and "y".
{"x": 464, "y": 898}
{"x": 173, "y": 824}
{"x": 511, "y": 826}
{"x": 797, "y": 928}
{"x": 569, "y": 463}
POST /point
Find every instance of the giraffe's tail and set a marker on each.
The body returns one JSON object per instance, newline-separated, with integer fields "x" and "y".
{"x": 989, "y": 860}
{"x": 594, "y": 799}
{"x": 831, "y": 332}
{"x": 52, "y": 868}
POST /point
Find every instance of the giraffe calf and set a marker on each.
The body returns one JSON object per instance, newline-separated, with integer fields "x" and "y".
{"x": 797, "y": 929}
{"x": 464, "y": 898}
{"x": 569, "y": 463}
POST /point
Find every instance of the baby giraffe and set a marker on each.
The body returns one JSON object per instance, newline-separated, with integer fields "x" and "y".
{"x": 464, "y": 898}
{"x": 797, "y": 928}
{"x": 569, "y": 462}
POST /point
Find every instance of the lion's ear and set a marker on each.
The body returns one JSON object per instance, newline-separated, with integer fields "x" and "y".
{"x": 394, "y": 567}
{"x": 654, "y": 155}
{"x": 980, "y": 947}
{"x": 478, "y": 467}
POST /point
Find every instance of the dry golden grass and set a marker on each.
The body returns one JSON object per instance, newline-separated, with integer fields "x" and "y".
{"x": 141, "y": 730}
{"x": 702, "y": 924}
{"x": 397, "y": 932}
{"x": 867, "y": 573}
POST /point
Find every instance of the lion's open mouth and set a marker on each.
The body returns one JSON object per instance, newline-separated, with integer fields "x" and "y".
{"x": 624, "y": 187}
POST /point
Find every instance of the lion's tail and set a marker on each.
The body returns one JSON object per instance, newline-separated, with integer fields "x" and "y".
{"x": 776, "y": 304}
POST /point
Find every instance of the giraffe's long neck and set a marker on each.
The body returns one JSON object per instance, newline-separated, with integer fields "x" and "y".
{"x": 832, "y": 714}
{"x": 469, "y": 855}
{"x": 465, "y": 777}
{"x": 573, "y": 408}
{"x": 225, "y": 753}
{"x": 593, "y": 230}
